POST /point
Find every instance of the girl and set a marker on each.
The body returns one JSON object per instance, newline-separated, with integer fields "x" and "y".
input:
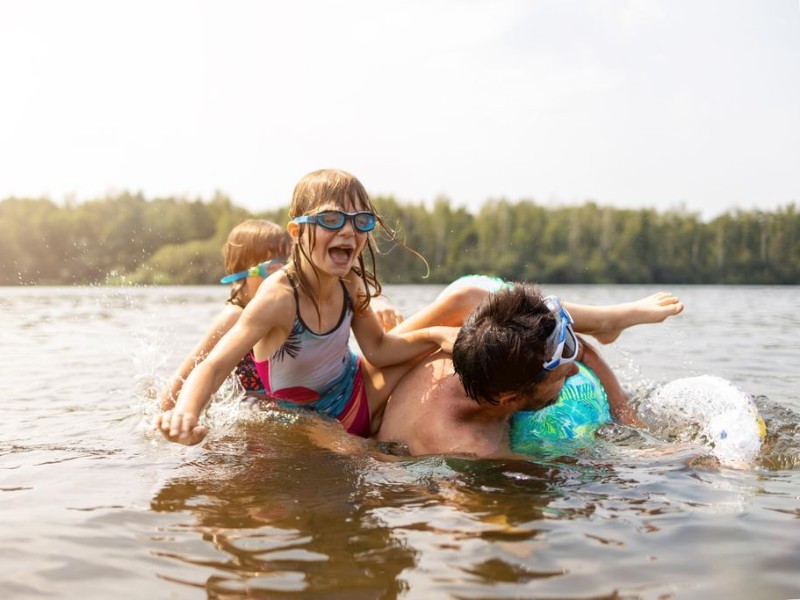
{"x": 255, "y": 249}
{"x": 299, "y": 321}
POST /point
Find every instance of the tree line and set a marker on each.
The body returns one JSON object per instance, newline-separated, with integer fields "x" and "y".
{"x": 126, "y": 238}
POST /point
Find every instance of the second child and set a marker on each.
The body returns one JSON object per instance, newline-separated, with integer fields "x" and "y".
{"x": 254, "y": 250}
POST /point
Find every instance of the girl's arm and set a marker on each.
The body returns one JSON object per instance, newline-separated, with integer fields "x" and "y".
{"x": 384, "y": 349}
{"x": 621, "y": 410}
{"x": 266, "y": 323}
{"x": 222, "y": 323}
{"x": 388, "y": 315}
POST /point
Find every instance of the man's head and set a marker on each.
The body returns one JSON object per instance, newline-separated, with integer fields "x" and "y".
{"x": 504, "y": 344}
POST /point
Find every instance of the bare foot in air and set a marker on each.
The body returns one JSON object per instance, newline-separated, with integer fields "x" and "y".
{"x": 652, "y": 309}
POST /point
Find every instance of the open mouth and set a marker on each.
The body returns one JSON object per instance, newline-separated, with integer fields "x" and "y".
{"x": 340, "y": 255}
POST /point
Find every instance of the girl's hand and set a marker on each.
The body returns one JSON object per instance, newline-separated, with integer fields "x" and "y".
{"x": 180, "y": 427}
{"x": 445, "y": 337}
{"x": 388, "y": 316}
{"x": 167, "y": 401}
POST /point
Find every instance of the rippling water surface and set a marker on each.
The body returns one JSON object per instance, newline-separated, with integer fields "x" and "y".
{"x": 280, "y": 506}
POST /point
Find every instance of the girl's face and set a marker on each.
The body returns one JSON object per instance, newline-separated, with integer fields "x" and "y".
{"x": 334, "y": 252}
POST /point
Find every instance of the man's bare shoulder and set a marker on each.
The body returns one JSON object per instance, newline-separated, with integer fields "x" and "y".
{"x": 433, "y": 374}
{"x": 421, "y": 401}
{"x": 428, "y": 411}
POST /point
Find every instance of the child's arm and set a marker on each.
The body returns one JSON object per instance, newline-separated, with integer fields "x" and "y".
{"x": 388, "y": 315}
{"x": 222, "y": 323}
{"x": 384, "y": 349}
{"x": 265, "y": 324}
{"x": 621, "y": 411}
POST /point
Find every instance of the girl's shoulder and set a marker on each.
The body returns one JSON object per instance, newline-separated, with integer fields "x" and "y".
{"x": 275, "y": 294}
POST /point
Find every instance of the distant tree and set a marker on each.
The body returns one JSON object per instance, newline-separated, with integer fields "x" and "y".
{"x": 127, "y": 238}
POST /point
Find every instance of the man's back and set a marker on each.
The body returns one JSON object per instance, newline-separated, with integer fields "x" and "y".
{"x": 430, "y": 413}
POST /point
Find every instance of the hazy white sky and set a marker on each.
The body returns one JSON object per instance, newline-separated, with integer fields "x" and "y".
{"x": 632, "y": 103}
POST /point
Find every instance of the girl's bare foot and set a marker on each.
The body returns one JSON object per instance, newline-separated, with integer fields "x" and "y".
{"x": 652, "y": 309}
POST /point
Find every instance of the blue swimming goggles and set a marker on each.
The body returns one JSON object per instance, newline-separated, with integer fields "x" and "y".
{"x": 265, "y": 269}
{"x": 563, "y": 336}
{"x": 334, "y": 220}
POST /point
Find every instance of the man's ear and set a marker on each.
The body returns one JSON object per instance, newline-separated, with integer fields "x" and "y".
{"x": 506, "y": 397}
{"x": 293, "y": 229}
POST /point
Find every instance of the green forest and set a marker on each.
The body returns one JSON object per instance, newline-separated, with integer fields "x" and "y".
{"x": 128, "y": 239}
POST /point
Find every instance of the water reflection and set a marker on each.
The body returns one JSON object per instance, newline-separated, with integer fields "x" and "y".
{"x": 283, "y": 515}
{"x": 274, "y": 509}
{"x": 298, "y": 508}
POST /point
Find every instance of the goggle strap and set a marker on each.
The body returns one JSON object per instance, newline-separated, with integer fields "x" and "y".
{"x": 235, "y": 277}
{"x": 258, "y": 270}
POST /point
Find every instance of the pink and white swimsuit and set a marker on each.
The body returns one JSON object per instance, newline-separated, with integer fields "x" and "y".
{"x": 319, "y": 371}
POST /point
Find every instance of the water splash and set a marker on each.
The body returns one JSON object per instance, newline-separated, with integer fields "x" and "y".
{"x": 781, "y": 448}
{"x": 709, "y": 410}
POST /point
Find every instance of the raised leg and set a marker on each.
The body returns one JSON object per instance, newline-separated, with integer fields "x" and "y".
{"x": 605, "y": 323}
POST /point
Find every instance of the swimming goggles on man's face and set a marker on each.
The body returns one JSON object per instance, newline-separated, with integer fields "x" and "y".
{"x": 566, "y": 343}
{"x": 265, "y": 269}
{"x": 334, "y": 220}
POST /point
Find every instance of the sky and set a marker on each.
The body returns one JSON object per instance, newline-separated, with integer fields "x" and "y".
{"x": 674, "y": 104}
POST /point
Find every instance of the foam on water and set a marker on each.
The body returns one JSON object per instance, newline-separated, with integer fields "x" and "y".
{"x": 709, "y": 410}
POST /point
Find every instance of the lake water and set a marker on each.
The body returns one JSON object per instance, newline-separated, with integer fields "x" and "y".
{"x": 93, "y": 506}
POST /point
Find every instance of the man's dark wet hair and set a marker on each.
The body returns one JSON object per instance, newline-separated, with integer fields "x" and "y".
{"x": 502, "y": 344}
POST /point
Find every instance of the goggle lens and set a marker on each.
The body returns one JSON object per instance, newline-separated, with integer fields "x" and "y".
{"x": 364, "y": 221}
{"x": 570, "y": 345}
{"x": 331, "y": 220}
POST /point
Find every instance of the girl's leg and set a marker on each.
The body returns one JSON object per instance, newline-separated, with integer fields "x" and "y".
{"x": 605, "y": 323}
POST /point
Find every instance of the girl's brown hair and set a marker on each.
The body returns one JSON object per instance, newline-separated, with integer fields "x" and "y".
{"x": 249, "y": 244}
{"x": 341, "y": 189}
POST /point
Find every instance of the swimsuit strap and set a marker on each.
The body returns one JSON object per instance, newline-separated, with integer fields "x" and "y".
{"x": 347, "y": 304}
{"x": 294, "y": 290}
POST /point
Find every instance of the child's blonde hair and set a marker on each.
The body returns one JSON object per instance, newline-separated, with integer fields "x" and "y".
{"x": 249, "y": 244}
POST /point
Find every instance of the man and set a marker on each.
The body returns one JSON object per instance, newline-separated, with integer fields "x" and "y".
{"x": 514, "y": 352}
